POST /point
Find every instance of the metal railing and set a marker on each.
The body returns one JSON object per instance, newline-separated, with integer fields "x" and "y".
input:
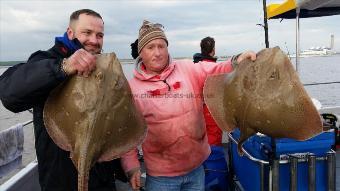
{"x": 27, "y": 123}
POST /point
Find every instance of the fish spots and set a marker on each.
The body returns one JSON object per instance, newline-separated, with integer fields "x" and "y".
{"x": 275, "y": 75}
{"x": 118, "y": 84}
{"x": 122, "y": 128}
{"x": 278, "y": 100}
{"x": 282, "y": 123}
{"x": 246, "y": 83}
{"x": 99, "y": 78}
{"x": 255, "y": 68}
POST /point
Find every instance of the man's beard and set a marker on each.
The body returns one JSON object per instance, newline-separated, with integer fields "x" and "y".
{"x": 98, "y": 48}
{"x": 97, "y": 51}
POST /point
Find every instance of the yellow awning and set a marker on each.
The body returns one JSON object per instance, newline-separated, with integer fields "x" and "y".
{"x": 277, "y": 9}
{"x": 308, "y": 8}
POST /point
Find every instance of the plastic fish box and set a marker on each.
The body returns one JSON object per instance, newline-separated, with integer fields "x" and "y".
{"x": 247, "y": 171}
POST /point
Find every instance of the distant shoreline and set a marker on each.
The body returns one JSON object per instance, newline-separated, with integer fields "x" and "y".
{"x": 122, "y": 61}
{"x": 10, "y": 63}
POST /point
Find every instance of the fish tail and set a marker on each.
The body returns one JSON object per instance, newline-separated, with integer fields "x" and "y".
{"x": 83, "y": 176}
{"x": 239, "y": 149}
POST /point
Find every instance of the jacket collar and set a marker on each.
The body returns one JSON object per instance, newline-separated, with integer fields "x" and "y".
{"x": 141, "y": 74}
{"x": 66, "y": 47}
{"x": 200, "y": 57}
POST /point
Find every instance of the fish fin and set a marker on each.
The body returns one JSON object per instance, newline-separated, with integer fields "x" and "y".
{"x": 59, "y": 136}
{"x": 74, "y": 160}
{"x": 213, "y": 97}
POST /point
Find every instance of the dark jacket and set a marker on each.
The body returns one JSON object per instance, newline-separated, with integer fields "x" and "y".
{"x": 28, "y": 85}
{"x": 200, "y": 57}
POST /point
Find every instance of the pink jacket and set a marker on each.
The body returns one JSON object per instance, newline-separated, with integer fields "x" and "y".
{"x": 176, "y": 141}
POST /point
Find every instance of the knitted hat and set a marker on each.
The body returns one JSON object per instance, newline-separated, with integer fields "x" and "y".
{"x": 148, "y": 32}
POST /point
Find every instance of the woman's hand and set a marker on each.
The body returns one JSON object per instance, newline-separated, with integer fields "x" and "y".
{"x": 135, "y": 179}
{"x": 245, "y": 55}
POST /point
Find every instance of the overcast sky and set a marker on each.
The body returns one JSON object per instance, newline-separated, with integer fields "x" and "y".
{"x": 30, "y": 25}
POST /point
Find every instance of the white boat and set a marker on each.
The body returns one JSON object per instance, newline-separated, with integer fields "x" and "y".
{"x": 314, "y": 52}
{"x": 320, "y": 51}
{"x": 317, "y": 52}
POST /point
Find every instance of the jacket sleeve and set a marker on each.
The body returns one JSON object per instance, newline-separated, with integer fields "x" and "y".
{"x": 202, "y": 70}
{"x": 212, "y": 68}
{"x": 26, "y": 84}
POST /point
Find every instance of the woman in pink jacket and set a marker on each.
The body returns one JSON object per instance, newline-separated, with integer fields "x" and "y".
{"x": 169, "y": 94}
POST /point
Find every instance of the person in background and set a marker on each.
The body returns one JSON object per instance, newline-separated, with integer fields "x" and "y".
{"x": 207, "y": 51}
{"x": 134, "y": 49}
{"x": 169, "y": 93}
{"x": 27, "y": 85}
{"x": 216, "y": 169}
{"x": 208, "y": 55}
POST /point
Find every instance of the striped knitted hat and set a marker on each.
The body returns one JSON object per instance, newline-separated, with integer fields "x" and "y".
{"x": 148, "y": 32}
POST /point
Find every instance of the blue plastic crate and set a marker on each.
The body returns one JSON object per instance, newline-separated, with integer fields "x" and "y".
{"x": 248, "y": 171}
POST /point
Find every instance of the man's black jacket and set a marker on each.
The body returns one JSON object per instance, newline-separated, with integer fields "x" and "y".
{"x": 200, "y": 57}
{"x": 28, "y": 85}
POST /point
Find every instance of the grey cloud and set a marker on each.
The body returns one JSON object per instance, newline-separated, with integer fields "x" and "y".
{"x": 27, "y": 26}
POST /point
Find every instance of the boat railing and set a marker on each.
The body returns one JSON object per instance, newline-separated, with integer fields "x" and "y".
{"x": 26, "y": 178}
{"x": 27, "y": 123}
{"x": 293, "y": 160}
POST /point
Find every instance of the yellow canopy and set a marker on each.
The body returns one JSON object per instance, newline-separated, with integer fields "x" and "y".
{"x": 308, "y": 8}
{"x": 277, "y": 9}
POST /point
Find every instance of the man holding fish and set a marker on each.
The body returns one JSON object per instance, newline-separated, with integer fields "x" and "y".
{"x": 28, "y": 85}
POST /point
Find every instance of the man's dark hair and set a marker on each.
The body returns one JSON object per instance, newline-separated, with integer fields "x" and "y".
{"x": 207, "y": 45}
{"x": 75, "y": 14}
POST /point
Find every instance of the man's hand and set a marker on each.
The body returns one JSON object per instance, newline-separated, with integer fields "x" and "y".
{"x": 81, "y": 62}
{"x": 135, "y": 179}
{"x": 249, "y": 54}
